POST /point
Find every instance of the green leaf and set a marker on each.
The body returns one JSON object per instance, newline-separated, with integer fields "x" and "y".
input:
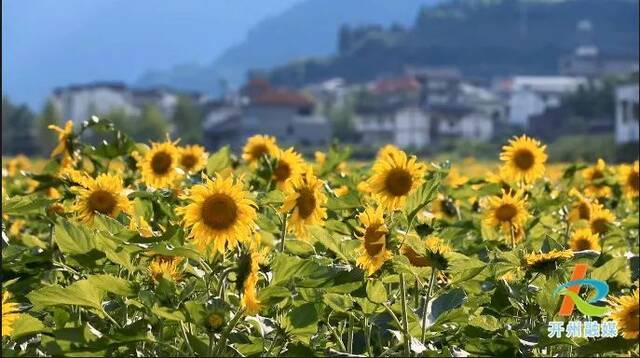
{"x": 605, "y": 345}
{"x": 80, "y": 293}
{"x": 273, "y": 197}
{"x": 196, "y": 312}
{"x": 329, "y": 241}
{"x": 72, "y": 239}
{"x": 443, "y": 303}
{"x": 113, "y": 284}
{"x": 346, "y": 202}
{"x": 299, "y": 248}
{"x": 422, "y": 197}
{"x": 219, "y": 160}
{"x": 615, "y": 269}
{"x": 488, "y": 323}
{"x": 376, "y": 291}
{"x": 302, "y": 321}
{"x": 117, "y": 252}
{"x": 168, "y": 313}
{"x": 163, "y": 249}
{"x": 338, "y": 302}
{"x": 287, "y": 267}
{"x": 27, "y": 325}
{"x": 272, "y": 295}
{"x": 24, "y": 205}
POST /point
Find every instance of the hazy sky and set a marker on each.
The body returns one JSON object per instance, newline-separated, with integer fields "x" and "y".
{"x": 48, "y": 43}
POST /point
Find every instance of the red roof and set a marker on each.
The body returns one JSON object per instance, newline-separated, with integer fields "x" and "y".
{"x": 403, "y": 84}
{"x": 260, "y": 92}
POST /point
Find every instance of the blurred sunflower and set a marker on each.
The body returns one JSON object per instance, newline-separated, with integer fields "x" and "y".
{"x": 600, "y": 219}
{"x": 220, "y": 213}
{"x": 626, "y": 313}
{"x": 454, "y": 179}
{"x": 158, "y": 165}
{"x": 584, "y": 239}
{"x": 341, "y": 191}
{"x": 303, "y": 195}
{"x": 320, "y": 157}
{"x": 289, "y": 165}
{"x": 385, "y": 150}
{"x": 163, "y": 265}
{"x": 104, "y": 195}
{"x": 63, "y": 138}
{"x": 9, "y": 314}
{"x": 434, "y": 257}
{"x": 17, "y": 164}
{"x": 193, "y": 158}
{"x": 545, "y": 262}
{"x": 257, "y": 146}
{"x": 523, "y": 159}
{"x": 141, "y": 226}
{"x": 395, "y": 177}
{"x": 629, "y": 178}
{"x": 581, "y": 207}
{"x": 16, "y": 227}
{"x": 507, "y": 211}
{"x": 444, "y": 208}
{"x": 594, "y": 179}
{"x": 248, "y": 279}
{"x": 373, "y": 251}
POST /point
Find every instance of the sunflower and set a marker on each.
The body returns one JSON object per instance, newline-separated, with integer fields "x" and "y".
{"x": 220, "y": 213}
{"x": 141, "y": 226}
{"x": 544, "y": 262}
{"x": 303, "y": 195}
{"x": 341, "y": 191}
{"x": 626, "y": 313}
{"x": 584, "y": 239}
{"x": 581, "y": 207}
{"x": 9, "y": 314}
{"x": 629, "y": 178}
{"x": 320, "y": 157}
{"x": 248, "y": 279}
{"x": 395, "y": 177}
{"x": 523, "y": 159}
{"x": 16, "y": 228}
{"x": 165, "y": 266}
{"x": 63, "y": 138}
{"x": 18, "y": 164}
{"x": 373, "y": 252}
{"x": 258, "y": 146}
{"x": 104, "y": 195}
{"x": 434, "y": 257}
{"x": 385, "y": 150}
{"x": 158, "y": 165}
{"x": 593, "y": 177}
{"x": 454, "y": 179}
{"x": 289, "y": 165}
{"x": 507, "y": 212}
{"x": 444, "y": 208}
{"x": 193, "y": 158}
{"x": 600, "y": 219}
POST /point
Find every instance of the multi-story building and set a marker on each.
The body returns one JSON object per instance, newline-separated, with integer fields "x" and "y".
{"x": 627, "y": 112}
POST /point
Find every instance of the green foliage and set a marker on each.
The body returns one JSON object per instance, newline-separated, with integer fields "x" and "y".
{"x": 188, "y": 121}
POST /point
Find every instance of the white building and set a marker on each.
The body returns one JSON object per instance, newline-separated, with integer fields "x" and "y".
{"x": 406, "y": 127}
{"x": 627, "y": 114}
{"x": 531, "y": 95}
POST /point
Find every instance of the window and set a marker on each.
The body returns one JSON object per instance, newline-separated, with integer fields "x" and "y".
{"x": 623, "y": 109}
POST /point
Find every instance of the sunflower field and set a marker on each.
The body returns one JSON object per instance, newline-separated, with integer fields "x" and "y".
{"x": 160, "y": 249}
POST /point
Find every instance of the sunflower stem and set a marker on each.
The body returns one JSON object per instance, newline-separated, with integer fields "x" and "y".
{"x": 513, "y": 236}
{"x": 225, "y": 334}
{"x": 186, "y": 338}
{"x": 426, "y": 302}
{"x": 367, "y": 336}
{"x": 284, "y": 231}
{"x": 405, "y": 317}
{"x": 350, "y": 335}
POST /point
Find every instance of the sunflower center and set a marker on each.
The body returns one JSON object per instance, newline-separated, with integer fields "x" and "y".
{"x": 372, "y": 240}
{"x": 398, "y": 182}
{"x": 282, "y": 172}
{"x": 414, "y": 258}
{"x": 632, "y": 320}
{"x": 506, "y": 212}
{"x": 524, "y": 159}
{"x": 101, "y": 201}
{"x": 584, "y": 211}
{"x": 161, "y": 162}
{"x": 188, "y": 161}
{"x": 257, "y": 151}
{"x": 599, "y": 226}
{"x": 634, "y": 181}
{"x": 583, "y": 244}
{"x": 306, "y": 203}
{"x": 219, "y": 211}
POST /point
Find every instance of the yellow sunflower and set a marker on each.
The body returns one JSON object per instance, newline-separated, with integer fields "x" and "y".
{"x": 385, "y": 150}
{"x": 435, "y": 256}
{"x": 16, "y": 228}
{"x": 248, "y": 276}
{"x": 629, "y": 178}
{"x": 546, "y": 261}
{"x": 193, "y": 158}
{"x": 17, "y": 164}
{"x": 593, "y": 177}
{"x": 444, "y": 208}
{"x": 341, "y": 191}
{"x": 320, "y": 157}
{"x": 220, "y": 213}
{"x": 158, "y": 166}
{"x": 104, "y": 195}
{"x": 372, "y": 254}
{"x": 600, "y": 219}
{"x": 507, "y": 211}
{"x": 395, "y": 177}
{"x": 165, "y": 266}
{"x": 626, "y": 313}
{"x": 289, "y": 165}
{"x": 581, "y": 207}
{"x": 258, "y": 146}
{"x": 9, "y": 314}
{"x": 454, "y": 179}
{"x": 584, "y": 239}
{"x": 141, "y": 226}
{"x": 523, "y": 159}
{"x": 63, "y": 138}
{"x": 303, "y": 195}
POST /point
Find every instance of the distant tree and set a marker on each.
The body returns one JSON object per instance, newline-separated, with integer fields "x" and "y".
{"x": 188, "y": 121}
{"x": 151, "y": 125}
{"x": 17, "y": 129}
{"x": 344, "y": 39}
{"x": 122, "y": 121}
{"x": 46, "y": 137}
